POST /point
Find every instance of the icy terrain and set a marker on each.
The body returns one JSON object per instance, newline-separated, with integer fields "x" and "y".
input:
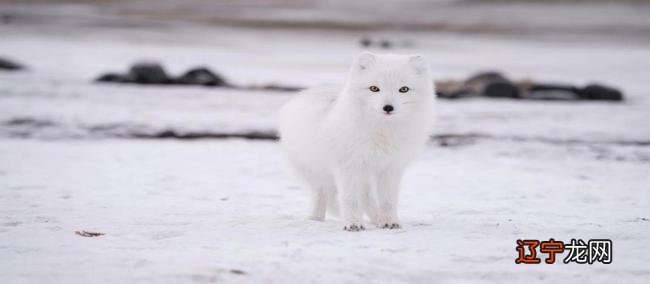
{"x": 176, "y": 211}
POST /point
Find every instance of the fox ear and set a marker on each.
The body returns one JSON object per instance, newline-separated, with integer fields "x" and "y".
{"x": 365, "y": 60}
{"x": 418, "y": 63}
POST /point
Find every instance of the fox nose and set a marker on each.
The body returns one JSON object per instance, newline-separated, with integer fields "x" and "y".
{"x": 388, "y": 109}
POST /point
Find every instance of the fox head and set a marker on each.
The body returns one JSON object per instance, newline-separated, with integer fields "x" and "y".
{"x": 390, "y": 86}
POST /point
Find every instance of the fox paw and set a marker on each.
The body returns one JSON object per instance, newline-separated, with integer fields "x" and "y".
{"x": 354, "y": 228}
{"x": 390, "y": 226}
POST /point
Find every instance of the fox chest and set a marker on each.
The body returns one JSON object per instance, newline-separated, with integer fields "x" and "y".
{"x": 366, "y": 148}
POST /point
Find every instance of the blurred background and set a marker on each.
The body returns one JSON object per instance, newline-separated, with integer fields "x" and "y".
{"x": 548, "y": 50}
{"x": 153, "y": 122}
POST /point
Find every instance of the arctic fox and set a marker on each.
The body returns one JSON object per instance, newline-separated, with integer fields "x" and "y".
{"x": 351, "y": 145}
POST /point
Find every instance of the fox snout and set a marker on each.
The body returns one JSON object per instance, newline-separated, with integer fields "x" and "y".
{"x": 388, "y": 109}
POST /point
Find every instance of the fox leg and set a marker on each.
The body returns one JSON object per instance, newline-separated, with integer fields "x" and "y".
{"x": 318, "y": 203}
{"x": 387, "y": 193}
{"x": 350, "y": 187}
{"x": 369, "y": 203}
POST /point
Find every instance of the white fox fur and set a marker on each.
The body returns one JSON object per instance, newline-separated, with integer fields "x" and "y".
{"x": 348, "y": 149}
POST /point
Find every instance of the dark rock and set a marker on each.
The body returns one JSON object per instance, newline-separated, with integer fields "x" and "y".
{"x": 492, "y": 84}
{"x": 486, "y": 77}
{"x": 201, "y": 76}
{"x": 452, "y": 89}
{"x": 553, "y": 87}
{"x": 460, "y": 94}
{"x": 279, "y": 88}
{"x": 7, "y": 19}
{"x": 29, "y": 122}
{"x": 6, "y": 64}
{"x": 237, "y": 271}
{"x": 535, "y": 91}
{"x": 365, "y": 42}
{"x": 551, "y": 95}
{"x": 173, "y": 134}
{"x": 600, "y": 92}
{"x": 148, "y": 73}
{"x": 501, "y": 90}
{"x": 385, "y": 44}
{"x": 113, "y": 77}
{"x": 168, "y": 134}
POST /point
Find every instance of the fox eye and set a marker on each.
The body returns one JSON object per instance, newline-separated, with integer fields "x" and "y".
{"x": 404, "y": 89}
{"x": 374, "y": 89}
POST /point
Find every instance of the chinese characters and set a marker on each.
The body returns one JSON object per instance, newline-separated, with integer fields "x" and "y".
{"x": 599, "y": 250}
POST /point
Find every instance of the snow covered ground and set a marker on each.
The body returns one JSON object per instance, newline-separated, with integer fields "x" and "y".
{"x": 193, "y": 211}
{"x": 176, "y": 211}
